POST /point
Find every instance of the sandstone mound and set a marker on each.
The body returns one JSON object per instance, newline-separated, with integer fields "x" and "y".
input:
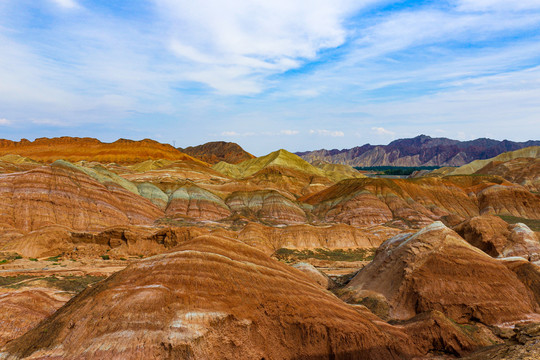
{"x": 418, "y": 202}
{"x": 24, "y": 309}
{"x": 304, "y": 236}
{"x": 195, "y": 202}
{"x": 277, "y": 158}
{"x": 317, "y": 276}
{"x": 495, "y": 237}
{"x": 267, "y": 206}
{"x": 338, "y": 172}
{"x": 76, "y": 149}
{"x": 216, "y": 151}
{"x": 375, "y": 201}
{"x": 15, "y": 163}
{"x": 55, "y": 195}
{"x": 474, "y": 166}
{"x": 435, "y": 269}
{"x": 211, "y": 298}
{"x": 115, "y": 241}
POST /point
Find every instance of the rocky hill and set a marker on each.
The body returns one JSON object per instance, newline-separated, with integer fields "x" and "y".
{"x": 419, "y": 151}
{"x": 216, "y": 151}
{"x": 76, "y": 149}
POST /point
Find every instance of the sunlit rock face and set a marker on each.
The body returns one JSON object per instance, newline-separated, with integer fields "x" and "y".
{"x": 210, "y": 298}
{"x": 435, "y": 269}
{"x": 268, "y": 206}
{"x": 57, "y": 195}
{"x": 76, "y": 149}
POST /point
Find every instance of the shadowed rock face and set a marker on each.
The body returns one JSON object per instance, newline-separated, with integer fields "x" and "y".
{"x": 435, "y": 269}
{"x": 211, "y": 298}
{"x": 216, "y": 151}
{"x": 53, "y": 195}
{"x": 76, "y": 149}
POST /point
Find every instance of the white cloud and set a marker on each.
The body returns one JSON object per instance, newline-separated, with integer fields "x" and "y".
{"x": 5, "y": 121}
{"x": 289, "y": 132}
{"x": 324, "y": 132}
{"x": 234, "y": 133}
{"x": 68, "y": 4}
{"x": 382, "y": 131}
{"x": 245, "y": 41}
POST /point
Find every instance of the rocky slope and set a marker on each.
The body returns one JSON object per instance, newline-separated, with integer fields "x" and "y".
{"x": 497, "y": 238}
{"x": 23, "y": 309}
{"x": 435, "y": 269}
{"x": 418, "y": 202}
{"x": 62, "y": 195}
{"x": 216, "y": 151}
{"x": 519, "y": 167}
{"x": 419, "y": 151}
{"x": 75, "y": 149}
{"x": 211, "y": 298}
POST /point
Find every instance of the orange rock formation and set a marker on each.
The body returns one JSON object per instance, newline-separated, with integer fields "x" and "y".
{"x": 211, "y": 298}
{"x": 76, "y": 149}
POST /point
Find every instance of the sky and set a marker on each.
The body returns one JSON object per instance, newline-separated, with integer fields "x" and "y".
{"x": 294, "y": 74}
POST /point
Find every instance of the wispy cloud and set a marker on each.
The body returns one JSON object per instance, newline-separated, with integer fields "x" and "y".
{"x": 68, "y": 4}
{"x": 382, "y": 131}
{"x": 245, "y": 70}
{"x": 323, "y": 132}
{"x": 4, "y": 121}
{"x": 289, "y": 132}
{"x": 236, "y": 134}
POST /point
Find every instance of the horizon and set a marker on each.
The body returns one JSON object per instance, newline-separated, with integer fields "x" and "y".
{"x": 262, "y": 154}
{"x": 303, "y": 75}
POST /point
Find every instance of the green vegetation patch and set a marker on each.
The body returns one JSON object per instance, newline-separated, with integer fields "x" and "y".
{"x": 395, "y": 170}
{"x": 291, "y": 255}
{"x": 9, "y": 281}
{"x": 74, "y": 284}
{"x": 533, "y": 224}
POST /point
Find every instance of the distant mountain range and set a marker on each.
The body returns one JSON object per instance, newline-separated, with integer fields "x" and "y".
{"x": 419, "y": 151}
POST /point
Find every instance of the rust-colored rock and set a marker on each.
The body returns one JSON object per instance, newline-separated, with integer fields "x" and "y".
{"x": 336, "y": 236}
{"x": 418, "y": 202}
{"x": 54, "y": 195}
{"x": 435, "y": 269}
{"x": 434, "y": 332}
{"x": 268, "y": 206}
{"x": 24, "y": 309}
{"x": 497, "y": 238}
{"x": 211, "y": 298}
{"x": 194, "y": 202}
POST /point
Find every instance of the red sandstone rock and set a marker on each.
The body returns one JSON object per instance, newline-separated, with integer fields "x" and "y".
{"x": 435, "y": 269}
{"x": 54, "y": 195}
{"x": 211, "y": 298}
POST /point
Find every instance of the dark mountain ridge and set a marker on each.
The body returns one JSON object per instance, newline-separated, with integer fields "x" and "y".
{"x": 422, "y": 150}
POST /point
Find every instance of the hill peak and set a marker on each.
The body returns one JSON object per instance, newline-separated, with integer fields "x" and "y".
{"x": 215, "y": 151}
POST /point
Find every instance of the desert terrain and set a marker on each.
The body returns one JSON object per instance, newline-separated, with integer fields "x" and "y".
{"x": 139, "y": 250}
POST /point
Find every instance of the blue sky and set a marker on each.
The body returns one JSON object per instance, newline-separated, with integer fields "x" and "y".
{"x": 300, "y": 75}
